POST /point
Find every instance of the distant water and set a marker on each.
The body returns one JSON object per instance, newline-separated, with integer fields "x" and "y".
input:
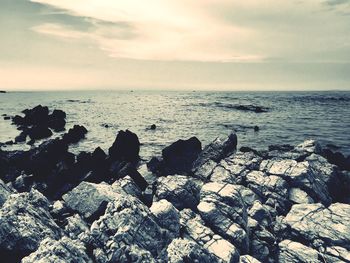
{"x": 291, "y": 118}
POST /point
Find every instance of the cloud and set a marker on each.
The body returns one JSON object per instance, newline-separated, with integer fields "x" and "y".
{"x": 208, "y": 30}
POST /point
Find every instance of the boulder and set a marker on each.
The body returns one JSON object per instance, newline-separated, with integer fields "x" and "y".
{"x": 63, "y": 250}
{"x": 248, "y": 259}
{"x": 314, "y": 221}
{"x": 184, "y": 250}
{"x": 57, "y": 120}
{"x": 5, "y": 192}
{"x": 126, "y": 147}
{"x": 193, "y": 228}
{"x": 89, "y": 199}
{"x": 290, "y": 252}
{"x": 222, "y": 208}
{"x": 24, "y": 222}
{"x": 39, "y": 132}
{"x": 179, "y": 156}
{"x": 215, "y": 151}
{"x": 167, "y": 216}
{"x": 181, "y": 191}
{"x": 299, "y": 196}
{"x": 128, "y": 222}
{"x": 74, "y": 134}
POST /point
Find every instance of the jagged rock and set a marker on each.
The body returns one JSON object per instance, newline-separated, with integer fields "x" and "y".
{"x": 181, "y": 191}
{"x": 76, "y": 228}
{"x": 39, "y": 132}
{"x": 128, "y": 185}
{"x": 64, "y": 250}
{"x": 5, "y": 192}
{"x": 179, "y": 156}
{"x": 57, "y": 120}
{"x": 260, "y": 213}
{"x": 24, "y": 223}
{"x": 314, "y": 221}
{"x": 126, "y": 222}
{"x": 290, "y": 252}
{"x": 248, "y": 259}
{"x": 90, "y": 199}
{"x": 167, "y": 216}
{"x": 222, "y": 208}
{"x": 336, "y": 254}
{"x": 301, "y": 175}
{"x": 126, "y": 147}
{"x": 194, "y": 228}
{"x": 309, "y": 146}
{"x": 299, "y": 196}
{"x": 214, "y": 153}
{"x": 184, "y": 250}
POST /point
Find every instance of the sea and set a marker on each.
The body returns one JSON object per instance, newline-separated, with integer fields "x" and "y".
{"x": 290, "y": 117}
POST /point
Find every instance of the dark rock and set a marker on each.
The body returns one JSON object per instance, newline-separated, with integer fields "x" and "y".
{"x": 39, "y": 132}
{"x": 36, "y": 116}
{"x": 22, "y": 137}
{"x": 337, "y": 158}
{"x": 126, "y": 147}
{"x": 179, "y": 156}
{"x": 153, "y": 127}
{"x": 7, "y": 118}
{"x": 74, "y": 134}
{"x": 282, "y": 148}
{"x": 256, "y": 128}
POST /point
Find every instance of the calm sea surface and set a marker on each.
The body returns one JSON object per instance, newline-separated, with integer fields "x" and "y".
{"x": 292, "y": 116}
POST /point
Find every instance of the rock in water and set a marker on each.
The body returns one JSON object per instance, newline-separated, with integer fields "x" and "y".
{"x": 24, "y": 223}
{"x": 179, "y": 156}
{"x": 75, "y": 134}
{"x": 126, "y": 147}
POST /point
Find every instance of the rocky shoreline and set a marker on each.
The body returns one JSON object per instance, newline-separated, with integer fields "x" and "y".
{"x": 192, "y": 204}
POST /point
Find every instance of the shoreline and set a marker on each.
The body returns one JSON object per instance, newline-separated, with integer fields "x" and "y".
{"x": 210, "y": 203}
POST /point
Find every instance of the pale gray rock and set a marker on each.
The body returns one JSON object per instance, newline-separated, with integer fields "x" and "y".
{"x": 337, "y": 254}
{"x": 194, "y": 228}
{"x": 184, "y": 250}
{"x": 222, "y": 208}
{"x": 181, "y": 191}
{"x": 128, "y": 185}
{"x": 5, "y": 192}
{"x": 76, "y": 228}
{"x": 24, "y": 222}
{"x": 290, "y": 252}
{"x": 314, "y": 221}
{"x": 62, "y": 251}
{"x": 260, "y": 213}
{"x": 167, "y": 216}
{"x": 248, "y": 259}
{"x": 127, "y": 222}
{"x": 298, "y": 196}
{"x": 88, "y": 198}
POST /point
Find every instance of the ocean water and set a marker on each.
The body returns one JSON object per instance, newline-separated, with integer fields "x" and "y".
{"x": 291, "y": 118}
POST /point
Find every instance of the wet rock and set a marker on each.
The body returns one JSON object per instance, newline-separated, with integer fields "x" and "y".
{"x": 167, "y": 216}
{"x": 126, "y": 222}
{"x": 215, "y": 152}
{"x": 314, "y": 221}
{"x": 39, "y": 132}
{"x": 57, "y": 120}
{"x": 184, "y": 250}
{"x": 24, "y": 223}
{"x": 179, "y": 156}
{"x": 290, "y": 251}
{"x": 22, "y": 137}
{"x": 194, "y": 229}
{"x": 74, "y": 134}
{"x": 90, "y": 199}
{"x": 153, "y": 127}
{"x": 181, "y": 191}
{"x": 126, "y": 147}
{"x": 64, "y": 250}
{"x": 222, "y": 208}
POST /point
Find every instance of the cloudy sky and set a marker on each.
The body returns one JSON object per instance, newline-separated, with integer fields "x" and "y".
{"x": 172, "y": 44}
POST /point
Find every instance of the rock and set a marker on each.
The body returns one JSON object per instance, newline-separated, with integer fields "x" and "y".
{"x": 181, "y": 191}
{"x": 290, "y": 252}
{"x": 184, "y": 250}
{"x": 222, "y": 208}
{"x": 36, "y": 116}
{"x": 309, "y": 146}
{"x": 22, "y": 137}
{"x": 153, "y": 127}
{"x": 57, "y": 120}
{"x": 194, "y": 229}
{"x": 126, "y": 147}
{"x": 24, "y": 223}
{"x": 314, "y": 221}
{"x": 298, "y": 196}
{"x": 128, "y": 222}
{"x": 5, "y": 192}
{"x": 23, "y": 183}
{"x": 64, "y": 250}
{"x": 215, "y": 151}
{"x": 256, "y": 128}
{"x": 74, "y": 134}
{"x": 248, "y": 259}
{"x": 167, "y": 216}
{"x": 89, "y": 199}
{"x": 39, "y": 132}
{"x": 179, "y": 156}
{"x": 260, "y": 213}
{"x": 128, "y": 185}
{"x": 129, "y": 254}
{"x": 76, "y": 228}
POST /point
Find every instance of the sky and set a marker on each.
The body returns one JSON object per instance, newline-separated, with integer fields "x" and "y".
{"x": 174, "y": 44}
